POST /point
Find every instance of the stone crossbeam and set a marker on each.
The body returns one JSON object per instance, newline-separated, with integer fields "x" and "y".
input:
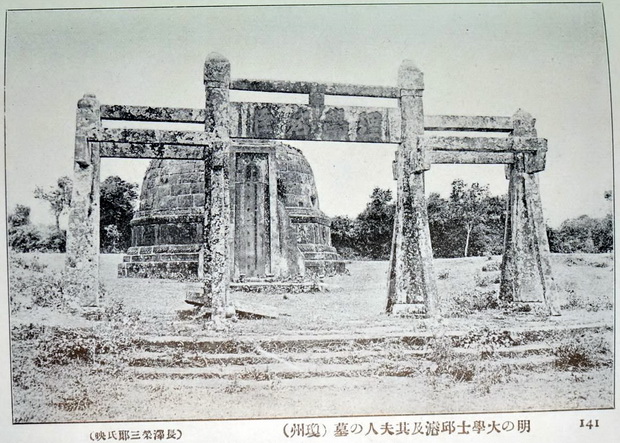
{"x": 154, "y": 136}
{"x": 485, "y": 144}
{"x": 477, "y": 158}
{"x": 230, "y": 126}
{"x": 303, "y": 122}
{"x": 309, "y": 87}
{"x": 152, "y": 114}
{"x": 467, "y": 123}
{"x": 151, "y": 150}
{"x": 195, "y": 115}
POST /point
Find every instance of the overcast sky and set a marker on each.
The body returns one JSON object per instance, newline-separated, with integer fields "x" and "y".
{"x": 477, "y": 60}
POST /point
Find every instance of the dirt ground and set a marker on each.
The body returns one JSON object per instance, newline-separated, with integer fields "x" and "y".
{"x": 51, "y": 385}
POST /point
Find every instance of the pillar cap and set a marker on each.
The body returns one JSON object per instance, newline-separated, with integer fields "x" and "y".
{"x": 523, "y": 124}
{"x": 88, "y": 101}
{"x": 217, "y": 68}
{"x": 410, "y": 76}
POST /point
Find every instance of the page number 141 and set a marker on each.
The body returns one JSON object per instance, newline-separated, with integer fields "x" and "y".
{"x": 588, "y": 424}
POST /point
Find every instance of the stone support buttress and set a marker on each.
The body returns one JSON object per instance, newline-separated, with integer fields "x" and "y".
{"x": 526, "y": 275}
{"x": 411, "y": 286}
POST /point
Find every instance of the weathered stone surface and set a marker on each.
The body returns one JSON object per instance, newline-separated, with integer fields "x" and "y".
{"x": 467, "y": 123}
{"x": 151, "y": 150}
{"x": 152, "y": 114}
{"x": 166, "y": 213}
{"x": 288, "y": 260}
{"x": 526, "y": 271}
{"x": 411, "y": 279}
{"x": 154, "y": 136}
{"x": 83, "y": 229}
{"x": 171, "y": 269}
{"x": 255, "y": 310}
{"x": 484, "y": 144}
{"x": 306, "y": 122}
{"x": 308, "y": 87}
{"x": 464, "y": 157}
{"x": 524, "y": 126}
{"x": 217, "y": 233}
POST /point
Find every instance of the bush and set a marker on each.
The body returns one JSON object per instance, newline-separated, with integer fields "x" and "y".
{"x": 32, "y": 264}
{"x": 447, "y": 362}
{"x": 61, "y": 347}
{"x": 24, "y": 238}
{"x": 583, "y": 353}
{"x": 463, "y": 304}
{"x": 486, "y": 340}
{"x": 32, "y": 284}
{"x": 491, "y": 266}
{"x": 29, "y": 238}
{"x": 53, "y": 241}
{"x": 489, "y": 375}
{"x": 44, "y": 289}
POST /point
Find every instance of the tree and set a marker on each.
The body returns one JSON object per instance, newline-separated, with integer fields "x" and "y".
{"x": 59, "y": 197}
{"x": 343, "y": 236}
{"x": 22, "y": 235}
{"x": 19, "y": 217}
{"x": 470, "y": 222}
{"x": 440, "y": 226}
{"x": 469, "y": 206}
{"x": 374, "y": 226}
{"x": 117, "y": 199}
{"x": 584, "y": 233}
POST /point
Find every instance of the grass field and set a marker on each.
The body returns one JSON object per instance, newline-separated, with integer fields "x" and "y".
{"x": 141, "y": 361}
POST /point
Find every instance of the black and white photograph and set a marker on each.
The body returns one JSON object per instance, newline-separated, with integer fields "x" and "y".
{"x": 346, "y": 221}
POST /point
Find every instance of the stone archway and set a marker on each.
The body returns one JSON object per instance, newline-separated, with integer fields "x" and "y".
{"x": 526, "y": 273}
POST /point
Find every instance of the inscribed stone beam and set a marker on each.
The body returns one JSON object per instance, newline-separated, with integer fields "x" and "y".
{"x": 152, "y": 114}
{"x": 307, "y": 87}
{"x": 305, "y": 122}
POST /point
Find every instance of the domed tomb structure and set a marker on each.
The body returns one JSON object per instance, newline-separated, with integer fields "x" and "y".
{"x": 279, "y": 230}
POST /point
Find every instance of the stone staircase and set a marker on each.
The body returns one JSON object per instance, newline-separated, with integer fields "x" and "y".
{"x": 312, "y": 355}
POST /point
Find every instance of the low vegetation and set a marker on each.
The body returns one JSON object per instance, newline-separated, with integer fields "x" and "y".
{"x": 72, "y": 367}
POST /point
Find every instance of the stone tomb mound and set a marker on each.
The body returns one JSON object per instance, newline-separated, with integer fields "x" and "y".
{"x": 279, "y": 231}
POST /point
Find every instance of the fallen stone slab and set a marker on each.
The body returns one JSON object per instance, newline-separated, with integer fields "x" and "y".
{"x": 254, "y": 310}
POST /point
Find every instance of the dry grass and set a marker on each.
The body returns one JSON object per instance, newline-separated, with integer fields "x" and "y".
{"x": 68, "y": 368}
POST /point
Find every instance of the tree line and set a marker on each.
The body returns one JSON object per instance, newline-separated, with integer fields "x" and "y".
{"x": 469, "y": 222}
{"x": 116, "y": 203}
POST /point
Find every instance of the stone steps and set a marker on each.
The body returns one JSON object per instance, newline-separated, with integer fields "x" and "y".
{"x": 312, "y": 355}
{"x": 375, "y": 338}
{"x": 198, "y": 359}
{"x": 287, "y": 370}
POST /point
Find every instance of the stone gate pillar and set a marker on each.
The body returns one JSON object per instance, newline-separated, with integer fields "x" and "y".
{"x": 411, "y": 286}
{"x": 217, "y": 222}
{"x": 526, "y": 271}
{"x": 82, "y": 259}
